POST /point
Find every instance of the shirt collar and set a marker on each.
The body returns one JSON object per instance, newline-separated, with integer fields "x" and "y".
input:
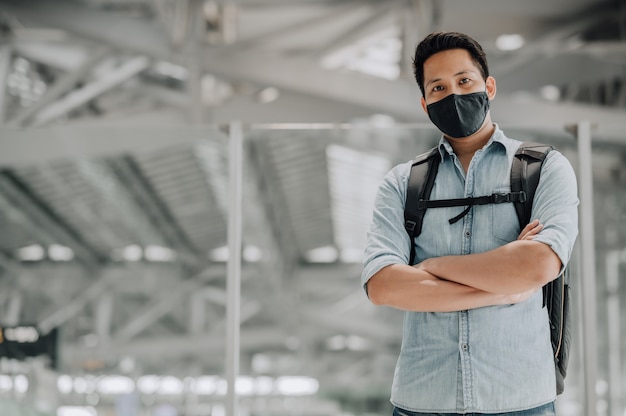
{"x": 497, "y": 137}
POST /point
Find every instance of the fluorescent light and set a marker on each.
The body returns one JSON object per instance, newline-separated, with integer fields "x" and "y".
{"x": 551, "y": 93}
{"x": 148, "y": 384}
{"x": 21, "y": 334}
{"x": 20, "y": 383}
{"x": 268, "y": 95}
{"x": 252, "y": 254}
{"x": 350, "y": 342}
{"x": 174, "y": 386}
{"x": 158, "y": 253}
{"x": 76, "y": 411}
{"x": 245, "y": 386}
{"x": 171, "y": 70}
{"x": 296, "y": 385}
{"x": 336, "y": 343}
{"x": 116, "y": 385}
{"x": 205, "y": 385}
{"x": 58, "y": 252}
{"x": 352, "y": 255}
{"x": 6, "y": 383}
{"x": 220, "y": 254}
{"x": 34, "y": 252}
{"x": 326, "y": 254}
{"x": 357, "y": 343}
{"x": 64, "y": 384}
{"x": 264, "y": 386}
{"x": 171, "y": 385}
{"x": 132, "y": 252}
{"x": 509, "y": 42}
{"x": 80, "y": 385}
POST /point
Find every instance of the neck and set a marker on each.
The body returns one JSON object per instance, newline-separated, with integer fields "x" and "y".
{"x": 467, "y": 146}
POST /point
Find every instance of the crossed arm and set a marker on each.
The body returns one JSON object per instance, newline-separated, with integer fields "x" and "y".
{"x": 508, "y": 274}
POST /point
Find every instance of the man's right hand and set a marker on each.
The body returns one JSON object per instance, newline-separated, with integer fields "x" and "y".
{"x": 530, "y": 231}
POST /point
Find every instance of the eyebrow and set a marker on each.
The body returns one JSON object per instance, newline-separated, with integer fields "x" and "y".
{"x": 465, "y": 71}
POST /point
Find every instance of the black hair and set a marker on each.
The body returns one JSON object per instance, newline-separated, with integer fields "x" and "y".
{"x": 441, "y": 41}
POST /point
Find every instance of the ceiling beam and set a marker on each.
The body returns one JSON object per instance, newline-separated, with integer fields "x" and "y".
{"x": 56, "y": 55}
{"x": 165, "y": 303}
{"x": 65, "y": 84}
{"x": 554, "y": 41}
{"x": 120, "y": 200}
{"x": 13, "y": 310}
{"x": 398, "y": 98}
{"x": 416, "y": 18}
{"x": 334, "y": 12}
{"x": 35, "y": 215}
{"x": 8, "y": 263}
{"x": 68, "y": 310}
{"x": 359, "y": 30}
{"x": 155, "y": 210}
{"x": 76, "y": 142}
{"x": 278, "y": 241}
{"x": 175, "y": 17}
{"x": 83, "y": 95}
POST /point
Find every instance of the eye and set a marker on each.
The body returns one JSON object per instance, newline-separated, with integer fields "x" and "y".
{"x": 465, "y": 81}
{"x": 437, "y": 88}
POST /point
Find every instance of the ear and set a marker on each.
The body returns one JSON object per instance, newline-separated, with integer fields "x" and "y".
{"x": 423, "y": 101}
{"x": 491, "y": 87}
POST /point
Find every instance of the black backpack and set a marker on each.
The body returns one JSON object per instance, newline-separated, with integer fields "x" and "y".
{"x": 525, "y": 173}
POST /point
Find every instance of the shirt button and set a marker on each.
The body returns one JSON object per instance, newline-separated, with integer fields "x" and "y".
{"x": 467, "y": 233}
{"x": 465, "y": 347}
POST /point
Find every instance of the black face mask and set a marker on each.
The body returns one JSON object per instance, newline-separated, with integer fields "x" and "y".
{"x": 459, "y": 115}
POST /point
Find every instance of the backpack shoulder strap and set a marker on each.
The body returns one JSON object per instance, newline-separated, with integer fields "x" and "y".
{"x": 421, "y": 181}
{"x": 525, "y": 173}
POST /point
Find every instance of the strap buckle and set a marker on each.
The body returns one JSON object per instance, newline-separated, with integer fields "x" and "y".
{"x": 501, "y": 198}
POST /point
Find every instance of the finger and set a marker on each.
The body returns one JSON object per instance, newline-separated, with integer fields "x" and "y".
{"x": 529, "y": 227}
{"x": 532, "y": 232}
{"x": 535, "y": 230}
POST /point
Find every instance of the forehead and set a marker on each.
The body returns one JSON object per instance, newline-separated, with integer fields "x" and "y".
{"x": 448, "y": 63}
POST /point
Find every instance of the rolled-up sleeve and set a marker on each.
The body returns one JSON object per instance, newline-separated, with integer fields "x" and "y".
{"x": 556, "y": 206}
{"x": 387, "y": 241}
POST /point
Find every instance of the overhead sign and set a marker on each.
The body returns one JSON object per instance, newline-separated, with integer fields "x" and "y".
{"x": 21, "y": 342}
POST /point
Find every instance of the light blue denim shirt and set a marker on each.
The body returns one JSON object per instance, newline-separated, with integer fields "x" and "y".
{"x": 491, "y": 359}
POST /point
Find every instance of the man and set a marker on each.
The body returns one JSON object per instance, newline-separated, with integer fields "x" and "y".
{"x": 475, "y": 338}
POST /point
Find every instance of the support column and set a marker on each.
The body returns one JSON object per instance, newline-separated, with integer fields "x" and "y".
{"x": 234, "y": 265}
{"x": 614, "y": 331}
{"x": 588, "y": 269}
{"x": 14, "y": 309}
{"x": 5, "y": 67}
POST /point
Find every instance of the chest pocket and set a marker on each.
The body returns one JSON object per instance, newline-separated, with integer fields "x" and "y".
{"x": 504, "y": 222}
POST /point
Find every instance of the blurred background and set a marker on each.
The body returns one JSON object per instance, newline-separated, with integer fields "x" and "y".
{"x": 135, "y": 133}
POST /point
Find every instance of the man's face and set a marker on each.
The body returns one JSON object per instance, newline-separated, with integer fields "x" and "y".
{"x": 452, "y": 72}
